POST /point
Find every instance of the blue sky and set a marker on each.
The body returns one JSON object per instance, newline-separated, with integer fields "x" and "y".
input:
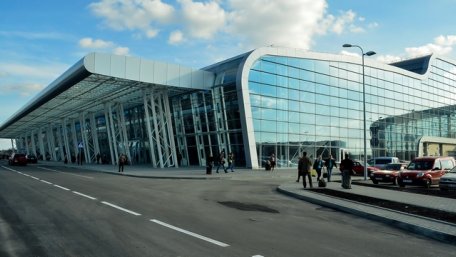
{"x": 39, "y": 40}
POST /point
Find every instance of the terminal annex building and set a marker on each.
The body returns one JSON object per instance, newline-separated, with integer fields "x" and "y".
{"x": 270, "y": 100}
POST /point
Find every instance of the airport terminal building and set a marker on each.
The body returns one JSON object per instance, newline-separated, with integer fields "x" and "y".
{"x": 270, "y": 100}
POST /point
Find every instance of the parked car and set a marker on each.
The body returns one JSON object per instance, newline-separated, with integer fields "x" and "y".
{"x": 448, "y": 181}
{"x": 388, "y": 174}
{"x": 17, "y": 159}
{"x": 425, "y": 171}
{"x": 31, "y": 158}
{"x": 358, "y": 169}
{"x": 381, "y": 162}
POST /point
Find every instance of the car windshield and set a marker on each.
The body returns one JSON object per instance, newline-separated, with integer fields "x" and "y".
{"x": 453, "y": 170}
{"x": 420, "y": 165}
{"x": 393, "y": 167}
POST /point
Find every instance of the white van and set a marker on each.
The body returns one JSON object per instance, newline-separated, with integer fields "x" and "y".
{"x": 380, "y": 162}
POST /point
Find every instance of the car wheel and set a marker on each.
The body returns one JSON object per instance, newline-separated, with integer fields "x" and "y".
{"x": 428, "y": 183}
{"x": 375, "y": 181}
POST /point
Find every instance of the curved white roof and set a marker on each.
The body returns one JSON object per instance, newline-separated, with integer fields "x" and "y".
{"x": 97, "y": 79}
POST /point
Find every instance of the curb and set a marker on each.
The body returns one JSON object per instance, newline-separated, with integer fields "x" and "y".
{"x": 447, "y": 235}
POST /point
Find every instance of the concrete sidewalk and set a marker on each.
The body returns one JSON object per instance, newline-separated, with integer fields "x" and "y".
{"x": 439, "y": 230}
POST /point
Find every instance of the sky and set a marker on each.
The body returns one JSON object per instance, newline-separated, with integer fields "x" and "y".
{"x": 39, "y": 40}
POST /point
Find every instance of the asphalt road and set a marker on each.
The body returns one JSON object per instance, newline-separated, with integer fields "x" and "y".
{"x": 67, "y": 212}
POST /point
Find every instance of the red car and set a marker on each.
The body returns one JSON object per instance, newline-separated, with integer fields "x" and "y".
{"x": 388, "y": 174}
{"x": 358, "y": 169}
{"x": 425, "y": 171}
{"x": 17, "y": 159}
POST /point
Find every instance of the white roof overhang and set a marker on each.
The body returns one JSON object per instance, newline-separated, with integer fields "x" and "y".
{"x": 98, "y": 79}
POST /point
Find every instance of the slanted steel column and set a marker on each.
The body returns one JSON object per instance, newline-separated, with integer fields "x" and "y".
{"x": 194, "y": 102}
{"x": 209, "y": 140}
{"x": 220, "y": 119}
{"x": 32, "y": 138}
{"x": 75, "y": 138}
{"x": 160, "y": 134}
{"x": 59, "y": 141}
{"x": 66, "y": 140}
{"x": 114, "y": 158}
{"x": 108, "y": 130}
{"x": 169, "y": 125}
{"x": 93, "y": 127}
{"x": 121, "y": 125}
{"x": 51, "y": 142}
{"x": 149, "y": 129}
{"x": 180, "y": 130}
{"x": 41, "y": 143}
{"x": 84, "y": 137}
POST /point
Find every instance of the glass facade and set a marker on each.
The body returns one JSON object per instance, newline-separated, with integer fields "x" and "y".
{"x": 316, "y": 106}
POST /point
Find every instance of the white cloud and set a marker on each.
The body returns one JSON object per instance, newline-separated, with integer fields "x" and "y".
{"x": 98, "y": 44}
{"x": 176, "y": 37}
{"x": 94, "y": 44}
{"x": 24, "y": 89}
{"x": 202, "y": 20}
{"x": 142, "y": 15}
{"x": 252, "y": 23}
{"x": 443, "y": 45}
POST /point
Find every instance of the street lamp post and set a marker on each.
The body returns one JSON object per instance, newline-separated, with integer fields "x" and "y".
{"x": 370, "y": 53}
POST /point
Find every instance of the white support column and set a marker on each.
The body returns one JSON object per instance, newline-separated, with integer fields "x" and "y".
{"x": 156, "y": 129}
{"x": 32, "y": 138}
{"x": 66, "y": 141}
{"x": 108, "y": 130}
{"x": 93, "y": 126}
{"x": 85, "y": 141}
{"x": 169, "y": 123}
{"x": 59, "y": 141}
{"x": 51, "y": 142}
{"x": 149, "y": 130}
{"x": 163, "y": 126}
{"x": 197, "y": 128}
{"x": 180, "y": 130}
{"x": 41, "y": 143}
{"x": 113, "y": 135}
{"x": 75, "y": 138}
{"x": 123, "y": 131}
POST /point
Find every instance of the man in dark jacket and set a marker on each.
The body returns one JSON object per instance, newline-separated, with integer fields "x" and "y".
{"x": 304, "y": 168}
{"x": 346, "y": 167}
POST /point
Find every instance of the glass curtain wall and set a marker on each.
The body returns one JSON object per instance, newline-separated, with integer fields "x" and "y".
{"x": 316, "y": 106}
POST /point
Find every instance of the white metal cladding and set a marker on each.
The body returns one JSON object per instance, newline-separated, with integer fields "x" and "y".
{"x": 98, "y": 79}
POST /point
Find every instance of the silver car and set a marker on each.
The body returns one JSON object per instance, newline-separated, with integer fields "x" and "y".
{"x": 448, "y": 181}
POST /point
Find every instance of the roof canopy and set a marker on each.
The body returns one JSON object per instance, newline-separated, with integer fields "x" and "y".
{"x": 96, "y": 80}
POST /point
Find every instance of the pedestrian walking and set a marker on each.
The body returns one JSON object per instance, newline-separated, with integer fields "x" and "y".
{"x": 304, "y": 168}
{"x": 231, "y": 161}
{"x": 122, "y": 160}
{"x": 346, "y": 167}
{"x": 318, "y": 166}
{"x": 221, "y": 161}
{"x": 209, "y": 164}
{"x": 272, "y": 161}
{"x": 330, "y": 164}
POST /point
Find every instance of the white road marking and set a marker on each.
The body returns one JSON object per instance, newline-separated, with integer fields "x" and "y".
{"x": 34, "y": 177}
{"x": 122, "y": 209}
{"x": 84, "y": 195}
{"x": 43, "y": 168}
{"x": 190, "y": 233}
{"x": 258, "y": 256}
{"x": 44, "y": 181}
{"x": 64, "y": 188}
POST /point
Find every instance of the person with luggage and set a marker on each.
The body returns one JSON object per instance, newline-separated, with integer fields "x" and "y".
{"x": 272, "y": 161}
{"x": 346, "y": 167}
{"x": 122, "y": 160}
{"x": 209, "y": 164}
{"x": 230, "y": 162}
{"x": 318, "y": 166}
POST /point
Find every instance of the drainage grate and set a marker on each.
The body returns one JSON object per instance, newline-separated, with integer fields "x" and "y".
{"x": 248, "y": 207}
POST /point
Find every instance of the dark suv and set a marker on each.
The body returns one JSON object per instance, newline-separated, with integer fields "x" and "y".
{"x": 425, "y": 171}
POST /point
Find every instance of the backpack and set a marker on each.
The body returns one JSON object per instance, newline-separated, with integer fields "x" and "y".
{"x": 322, "y": 182}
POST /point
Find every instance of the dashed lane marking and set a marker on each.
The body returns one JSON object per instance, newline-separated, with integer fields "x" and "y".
{"x": 120, "y": 208}
{"x": 47, "y": 182}
{"x": 190, "y": 233}
{"x": 84, "y": 195}
{"x": 61, "y": 187}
